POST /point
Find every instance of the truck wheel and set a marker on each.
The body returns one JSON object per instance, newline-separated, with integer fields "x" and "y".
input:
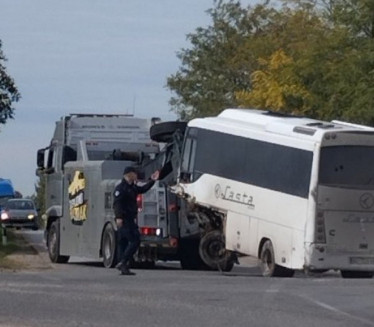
{"x": 213, "y": 252}
{"x": 189, "y": 255}
{"x": 108, "y": 247}
{"x": 163, "y": 132}
{"x": 54, "y": 244}
{"x": 356, "y": 274}
{"x": 267, "y": 263}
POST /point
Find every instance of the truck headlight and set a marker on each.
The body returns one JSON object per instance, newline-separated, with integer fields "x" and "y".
{"x": 31, "y": 216}
{"x": 4, "y": 216}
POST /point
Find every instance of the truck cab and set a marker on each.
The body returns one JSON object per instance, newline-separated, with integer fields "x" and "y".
{"x": 81, "y": 166}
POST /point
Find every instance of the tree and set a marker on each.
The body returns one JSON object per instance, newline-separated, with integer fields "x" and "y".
{"x": 276, "y": 87}
{"x": 8, "y": 91}
{"x": 216, "y": 67}
{"x": 324, "y": 52}
{"x": 39, "y": 196}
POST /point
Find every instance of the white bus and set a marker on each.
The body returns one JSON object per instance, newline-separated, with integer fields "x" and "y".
{"x": 295, "y": 192}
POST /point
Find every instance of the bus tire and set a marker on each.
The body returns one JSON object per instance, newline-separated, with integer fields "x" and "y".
{"x": 267, "y": 263}
{"x": 356, "y": 274}
{"x": 213, "y": 252}
{"x": 163, "y": 132}
{"x": 53, "y": 244}
{"x": 108, "y": 247}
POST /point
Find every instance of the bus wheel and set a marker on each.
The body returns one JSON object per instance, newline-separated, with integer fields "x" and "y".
{"x": 108, "y": 247}
{"x": 356, "y": 274}
{"x": 267, "y": 263}
{"x": 213, "y": 252}
{"x": 54, "y": 244}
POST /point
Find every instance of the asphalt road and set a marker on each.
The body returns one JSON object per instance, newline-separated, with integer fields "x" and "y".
{"x": 85, "y": 294}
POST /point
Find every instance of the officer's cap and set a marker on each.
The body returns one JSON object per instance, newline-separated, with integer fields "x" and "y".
{"x": 130, "y": 170}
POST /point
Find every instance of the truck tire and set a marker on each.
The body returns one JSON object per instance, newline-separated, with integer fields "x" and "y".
{"x": 267, "y": 263}
{"x": 108, "y": 247}
{"x": 189, "y": 255}
{"x": 213, "y": 252}
{"x": 53, "y": 244}
{"x": 163, "y": 132}
{"x": 356, "y": 274}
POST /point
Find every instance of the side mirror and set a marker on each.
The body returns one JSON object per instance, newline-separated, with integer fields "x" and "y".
{"x": 40, "y": 158}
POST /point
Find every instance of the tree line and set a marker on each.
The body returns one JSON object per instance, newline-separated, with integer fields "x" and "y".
{"x": 307, "y": 57}
{"x": 8, "y": 91}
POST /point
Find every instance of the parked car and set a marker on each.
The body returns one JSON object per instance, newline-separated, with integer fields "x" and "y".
{"x": 19, "y": 213}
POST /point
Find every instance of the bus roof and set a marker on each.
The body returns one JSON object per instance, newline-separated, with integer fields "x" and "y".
{"x": 238, "y": 121}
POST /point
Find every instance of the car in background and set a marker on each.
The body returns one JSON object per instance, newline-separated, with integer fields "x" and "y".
{"x": 19, "y": 213}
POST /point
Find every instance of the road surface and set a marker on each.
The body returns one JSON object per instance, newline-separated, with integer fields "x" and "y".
{"x": 85, "y": 294}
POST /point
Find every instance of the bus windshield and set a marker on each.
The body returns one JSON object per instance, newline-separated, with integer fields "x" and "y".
{"x": 351, "y": 166}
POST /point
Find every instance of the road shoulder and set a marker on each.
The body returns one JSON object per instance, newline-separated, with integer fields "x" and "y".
{"x": 24, "y": 255}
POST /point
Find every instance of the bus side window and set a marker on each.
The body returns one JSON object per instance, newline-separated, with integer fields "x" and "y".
{"x": 188, "y": 160}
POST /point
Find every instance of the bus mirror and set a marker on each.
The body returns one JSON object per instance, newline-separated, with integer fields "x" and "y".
{"x": 40, "y": 158}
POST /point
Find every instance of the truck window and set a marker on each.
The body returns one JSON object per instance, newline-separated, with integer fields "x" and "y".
{"x": 50, "y": 161}
{"x": 69, "y": 154}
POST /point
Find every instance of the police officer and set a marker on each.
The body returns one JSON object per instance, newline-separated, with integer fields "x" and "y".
{"x": 126, "y": 210}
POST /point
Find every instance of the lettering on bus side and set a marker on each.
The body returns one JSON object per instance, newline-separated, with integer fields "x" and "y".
{"x": 227, "y": 193}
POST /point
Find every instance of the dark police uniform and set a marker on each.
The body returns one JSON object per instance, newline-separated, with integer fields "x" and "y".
{"x": 126, "y": 208}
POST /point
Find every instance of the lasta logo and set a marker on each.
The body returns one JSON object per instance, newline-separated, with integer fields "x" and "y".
{"x": 227, "y": 193}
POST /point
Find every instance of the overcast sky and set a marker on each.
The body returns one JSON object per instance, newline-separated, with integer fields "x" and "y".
{"x": 90, "y": 56}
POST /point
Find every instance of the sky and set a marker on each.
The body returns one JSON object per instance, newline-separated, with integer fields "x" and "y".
{"x": 87, "y": 56}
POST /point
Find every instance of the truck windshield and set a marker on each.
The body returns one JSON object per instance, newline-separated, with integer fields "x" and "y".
{"x": 101, "y": 150}
{"x": 351, "y": 166}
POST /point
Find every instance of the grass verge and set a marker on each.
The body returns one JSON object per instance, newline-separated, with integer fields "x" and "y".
{"x": 15, "y": 244}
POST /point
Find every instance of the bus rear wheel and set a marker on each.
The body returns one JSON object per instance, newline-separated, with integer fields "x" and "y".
{"x": 267, "y": 263}
{"x": 356, "y": 274}
{"x": 108, "y": 247}
{"x": 53, "y": 244}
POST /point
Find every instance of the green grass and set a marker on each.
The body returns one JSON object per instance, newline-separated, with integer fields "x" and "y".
{"x": 14, "y": 244}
